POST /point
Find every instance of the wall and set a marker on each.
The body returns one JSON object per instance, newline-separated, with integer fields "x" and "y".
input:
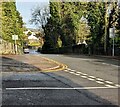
{"x": 8, "y": 48}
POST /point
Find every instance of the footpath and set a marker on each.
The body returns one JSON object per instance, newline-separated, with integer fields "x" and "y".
{"x": 29, "y": 63}
{"x": 109, "y": 57}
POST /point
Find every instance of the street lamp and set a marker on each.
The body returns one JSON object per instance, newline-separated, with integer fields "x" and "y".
{"x": 111, "y": 30}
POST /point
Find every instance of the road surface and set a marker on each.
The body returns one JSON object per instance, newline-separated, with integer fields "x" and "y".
{"x": 86, "y": 81}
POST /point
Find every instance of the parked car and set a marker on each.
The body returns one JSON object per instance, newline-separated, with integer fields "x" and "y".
{"x": 26, "y": 50}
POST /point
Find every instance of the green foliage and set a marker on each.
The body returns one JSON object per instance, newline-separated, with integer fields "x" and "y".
{"x": 63, "y": 23}
{"x": 95, "y": 16}
{"x": 63, "y": 27}
{"x": 29, "y": 33}
{"x": 12, "y": 23}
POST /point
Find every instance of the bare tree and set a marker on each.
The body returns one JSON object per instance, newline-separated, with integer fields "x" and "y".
{"x": 40, "y": 16}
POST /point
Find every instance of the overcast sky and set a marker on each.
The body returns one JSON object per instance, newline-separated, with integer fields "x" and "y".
{"x": 25, "y": 7}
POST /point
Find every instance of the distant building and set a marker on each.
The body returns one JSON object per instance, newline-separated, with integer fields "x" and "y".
{"x": 32, "y": 39}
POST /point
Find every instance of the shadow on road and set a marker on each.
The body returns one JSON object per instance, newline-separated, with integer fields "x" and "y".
{"x": 100, "y": 59}
{"x": 43, "y": 97}
{"x": 12, "y": 65}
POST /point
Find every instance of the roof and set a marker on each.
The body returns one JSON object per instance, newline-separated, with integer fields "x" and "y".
{"x": 32, "y": 37}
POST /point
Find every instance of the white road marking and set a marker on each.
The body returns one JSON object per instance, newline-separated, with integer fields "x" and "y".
{"x": 115, "y": 65}
{"x": 109, "y": 82}
{"x": 105, "y": 63}
{"x": 99, "y": 79}
{"x": 99, "y": 82}
{"x": 83, "y": 76}
{"x": 80, "y": 73}
{"x": 58, "y": 88}
{"x": 66, "y": 70}
{"x": 117, "y": 85}
{"x": 109, "y": 86}
{"x": 91, "y": 79}
{"x": 110, "y": 64}
{"x": 77, "y": 74}
{"x": 72, "y": 70}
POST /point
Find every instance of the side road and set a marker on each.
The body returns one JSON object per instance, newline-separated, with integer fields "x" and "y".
{"x": 29, "y": 63}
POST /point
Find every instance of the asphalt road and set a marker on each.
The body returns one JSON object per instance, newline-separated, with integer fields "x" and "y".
{"x": 86, "y": 81}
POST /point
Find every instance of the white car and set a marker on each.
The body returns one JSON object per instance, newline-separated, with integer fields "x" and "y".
{"x": 26, "y": 50}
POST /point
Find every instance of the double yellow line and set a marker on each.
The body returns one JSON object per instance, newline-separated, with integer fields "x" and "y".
{"x": 59, "y": 66}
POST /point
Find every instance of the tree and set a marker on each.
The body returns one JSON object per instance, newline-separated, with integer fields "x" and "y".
{"x": 12, "y": 23}
{"x": 40, "y": 16}
{"x": 96, "y": 21}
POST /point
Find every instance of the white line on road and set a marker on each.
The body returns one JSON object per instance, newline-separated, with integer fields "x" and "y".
{"x": 109, "y": 82}
{"x": 117, "y": 85}
{"x": 59, "y": 88}
{"x": 109, "y": 86}
{"x": 83, "y": 76}
{"x": 110, "y": 64}
{"x": 66, "y": 70}
{"x": 72, "y": 72}
{"x": 91, "y": 79}
{"x": 92, "y": 76}
{"x": 99, "y": 82}
{"x": 99, "y": 79}
{"x": 77, "y": 74}
{"x": 82, "y": 73}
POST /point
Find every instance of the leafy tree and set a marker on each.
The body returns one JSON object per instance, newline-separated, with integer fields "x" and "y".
{"x": 96, "y": 21}
{"x": 12, "y": 23}
{"x": 29, "y": 33}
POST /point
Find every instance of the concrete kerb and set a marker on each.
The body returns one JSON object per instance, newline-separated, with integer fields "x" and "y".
{"x": 59, "y": 66}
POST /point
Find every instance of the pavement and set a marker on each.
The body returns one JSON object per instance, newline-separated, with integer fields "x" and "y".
{"x": 98, "y": 56}
{"x": 109, "y": 57}
{"x": 26, "y": 63}
{"x": 29, "y": 63}
{"x": 86, "y": 80}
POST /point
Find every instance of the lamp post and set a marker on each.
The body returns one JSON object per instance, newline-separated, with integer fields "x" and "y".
{"x": 107, "y": 14}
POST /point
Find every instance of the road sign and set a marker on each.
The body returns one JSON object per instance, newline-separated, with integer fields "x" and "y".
{"x": 14, "y": 37}
{"x": 112, "y": 32}
{"x": 112, "y": 35}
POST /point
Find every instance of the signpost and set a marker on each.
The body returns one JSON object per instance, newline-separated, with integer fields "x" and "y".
{"x": 15, "y": 37}
{"x": 112, "y": 35}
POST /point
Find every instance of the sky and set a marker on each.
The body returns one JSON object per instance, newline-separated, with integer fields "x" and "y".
{"x": 25, "y": 7}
